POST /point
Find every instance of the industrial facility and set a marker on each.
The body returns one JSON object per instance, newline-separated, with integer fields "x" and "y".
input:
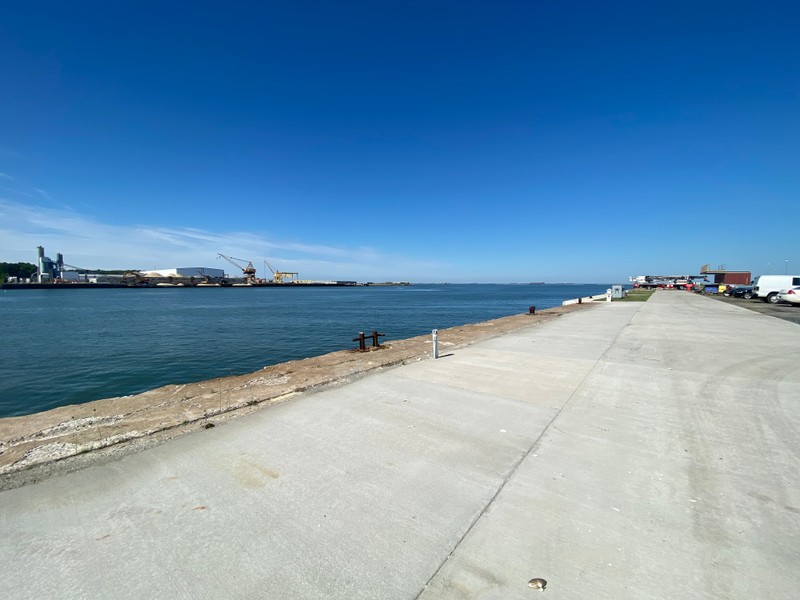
{"x": 58, "y": 274}
{"x": 51, "y": 271}
{"x": 187, "y": 272}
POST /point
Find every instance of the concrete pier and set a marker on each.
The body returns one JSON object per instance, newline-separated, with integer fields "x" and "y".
{"x": 629, "y": 450}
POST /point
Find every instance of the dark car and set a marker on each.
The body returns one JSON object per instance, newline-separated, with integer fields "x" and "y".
{"x": 740, "y": 291}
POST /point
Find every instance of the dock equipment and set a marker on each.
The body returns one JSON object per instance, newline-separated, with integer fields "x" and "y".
{"x": 248, "y": 272}
{"x": 279, "y": 276}
{"x": 362, "y": 339}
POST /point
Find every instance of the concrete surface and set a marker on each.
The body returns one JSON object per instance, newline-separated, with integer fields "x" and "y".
{"x": 782, "y": 310}
{"x": 628, "y": 451}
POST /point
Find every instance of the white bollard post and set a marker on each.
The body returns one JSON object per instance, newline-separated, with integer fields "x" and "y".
{"x": 608, "y": 295}
{"x": 435, "y": 334}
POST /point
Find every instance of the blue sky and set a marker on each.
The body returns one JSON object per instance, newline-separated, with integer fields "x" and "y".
{"x": 411, "y": 140}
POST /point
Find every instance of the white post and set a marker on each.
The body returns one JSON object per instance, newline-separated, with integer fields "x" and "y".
{"x": 435, "y": 334}
{"x": 608, "y": 295}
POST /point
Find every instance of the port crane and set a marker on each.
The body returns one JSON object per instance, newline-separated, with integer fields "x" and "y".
{"x": 279, "y": 276}
{"x": 248, "y": 272}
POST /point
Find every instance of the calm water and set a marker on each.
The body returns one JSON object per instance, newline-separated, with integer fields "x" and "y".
{"x": 63, "y": 347}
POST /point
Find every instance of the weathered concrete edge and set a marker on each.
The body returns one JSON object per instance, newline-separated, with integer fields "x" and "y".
{"x": 34, "y": 447}
{"x": 582, "y": 299}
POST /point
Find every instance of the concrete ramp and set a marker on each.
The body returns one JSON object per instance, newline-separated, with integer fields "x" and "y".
{"x": 671, "y": 472}
{"x": 617, "y": 452}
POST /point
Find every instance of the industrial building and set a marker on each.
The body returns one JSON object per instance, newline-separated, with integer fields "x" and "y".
{"x": 57, "y": 271}
{"x": 724, "y": 277}
{"x": 186, "y": 272}
{"x": 49, "y": 270}
{"x": 54, "y": 274}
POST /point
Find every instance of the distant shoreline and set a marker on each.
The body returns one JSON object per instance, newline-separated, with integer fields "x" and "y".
{"x": 95, "y": 286}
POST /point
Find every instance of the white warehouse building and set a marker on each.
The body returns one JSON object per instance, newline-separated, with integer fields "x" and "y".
{"x": 186, "y": 272}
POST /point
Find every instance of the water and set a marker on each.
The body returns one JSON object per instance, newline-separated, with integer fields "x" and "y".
{"x": 60, "y": 347}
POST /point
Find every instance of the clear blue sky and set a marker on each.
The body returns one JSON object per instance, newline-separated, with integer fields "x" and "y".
{"x": 418, "y": 140}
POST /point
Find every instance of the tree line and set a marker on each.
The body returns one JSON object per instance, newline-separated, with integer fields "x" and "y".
{"x": 21, "y": 269}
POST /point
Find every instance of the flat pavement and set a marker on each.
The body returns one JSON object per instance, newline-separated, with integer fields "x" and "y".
{"x": 786, "y": 311}
{"x": 629, "y": 450}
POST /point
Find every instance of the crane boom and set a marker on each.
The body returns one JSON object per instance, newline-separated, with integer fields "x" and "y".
{"x": 74, "y": 268}
{"x": 279, "y": 276}
{"x": 248, "y": 272}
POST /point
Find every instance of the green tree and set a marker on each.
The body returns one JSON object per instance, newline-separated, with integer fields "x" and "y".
{"x": 22, "y": 270}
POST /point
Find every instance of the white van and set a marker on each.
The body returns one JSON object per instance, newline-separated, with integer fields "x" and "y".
{"x": 767, "y": 287}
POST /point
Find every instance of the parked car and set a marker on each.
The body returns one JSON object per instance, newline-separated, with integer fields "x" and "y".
{"x": 792, "y": 296}
{"x": 740, "y": 291}
{"x": 766, "y": 287}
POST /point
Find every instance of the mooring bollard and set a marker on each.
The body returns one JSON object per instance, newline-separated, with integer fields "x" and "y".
{"x": 435, "y": 335}
{"x": 375, "y": 335}
{"x": 532, "y": 310}
{"x": 360, "y": 339}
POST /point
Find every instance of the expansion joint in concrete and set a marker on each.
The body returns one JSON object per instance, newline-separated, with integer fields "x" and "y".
{"x": 521, "y": 460}
{"x": 513, "y": 471}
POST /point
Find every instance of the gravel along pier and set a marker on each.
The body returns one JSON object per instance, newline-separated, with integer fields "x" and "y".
{"x": 37, "y": 446}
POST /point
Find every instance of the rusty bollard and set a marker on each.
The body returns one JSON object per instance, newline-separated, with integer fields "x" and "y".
{"x": 375, "y": 342}
{"x": 360, "y": 339}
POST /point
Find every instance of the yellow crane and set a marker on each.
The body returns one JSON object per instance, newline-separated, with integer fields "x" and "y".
{"x": 279, "y": 276}
{"x": 248, "y": 272}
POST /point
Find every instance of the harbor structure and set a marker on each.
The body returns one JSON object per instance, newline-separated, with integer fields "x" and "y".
{"x": 52, "y": 274}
